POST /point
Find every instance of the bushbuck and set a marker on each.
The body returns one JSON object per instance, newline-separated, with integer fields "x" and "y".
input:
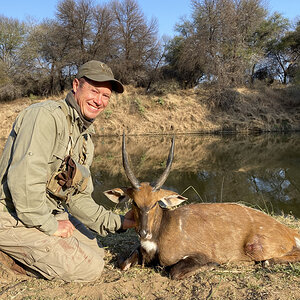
{"x": 197, "y": 235}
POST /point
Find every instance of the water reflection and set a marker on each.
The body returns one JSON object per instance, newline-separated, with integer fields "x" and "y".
{"x": 259, "y": 170}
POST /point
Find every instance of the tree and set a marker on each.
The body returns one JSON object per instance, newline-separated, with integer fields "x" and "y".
{"x": 277, "y": 58}
{"x": 103, "y": 46}
{"x": 226, "y": 27}
{"x": 12, "y": 36}
{"x": 221, "y": 41}
{"x": 137, "y": 46}
{"x": 183, "y": 61}
{"x": 292, "y": 42}
{"x": 79, "y": 32}
{"x": 75, "y": 19}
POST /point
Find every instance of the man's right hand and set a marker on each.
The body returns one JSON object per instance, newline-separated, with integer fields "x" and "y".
{"x": 65, "y": 229}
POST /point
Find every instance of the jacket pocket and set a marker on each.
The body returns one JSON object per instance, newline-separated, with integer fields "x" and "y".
{"x": 60, "y": 151}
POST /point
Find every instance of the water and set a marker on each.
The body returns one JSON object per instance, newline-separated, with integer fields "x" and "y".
{"x": 262, "y": 171}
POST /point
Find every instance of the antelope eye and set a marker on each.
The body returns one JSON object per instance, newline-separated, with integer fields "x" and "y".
{"x": 153, "y": 205}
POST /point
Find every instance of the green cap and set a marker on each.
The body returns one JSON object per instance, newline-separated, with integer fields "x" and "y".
{"x": 99, "y": 71}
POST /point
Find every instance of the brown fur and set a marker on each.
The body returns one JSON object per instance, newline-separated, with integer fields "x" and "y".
{"x": 195, "y": 235}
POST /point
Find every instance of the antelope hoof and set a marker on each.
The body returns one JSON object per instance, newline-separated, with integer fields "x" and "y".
{"x": 268, "y": 263}
{"x": 124, "y": 265}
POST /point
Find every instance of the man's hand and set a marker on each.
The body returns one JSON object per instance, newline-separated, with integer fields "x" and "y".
{"x": 129, "y": 221}
{"x": 65, "y": 229}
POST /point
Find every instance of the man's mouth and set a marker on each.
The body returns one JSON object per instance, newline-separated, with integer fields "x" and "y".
{"x": 93, "y": 107}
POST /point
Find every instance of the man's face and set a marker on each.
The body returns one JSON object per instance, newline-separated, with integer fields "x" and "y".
{"x": 91, "y": 96}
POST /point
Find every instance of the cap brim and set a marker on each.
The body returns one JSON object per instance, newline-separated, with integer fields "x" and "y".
{"x": 117, "y": 86}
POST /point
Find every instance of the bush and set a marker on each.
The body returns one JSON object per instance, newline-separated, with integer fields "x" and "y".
{"x": 163, "y": 87}
{"x": 223, "y": 99}
{"x": 9, "y": 92}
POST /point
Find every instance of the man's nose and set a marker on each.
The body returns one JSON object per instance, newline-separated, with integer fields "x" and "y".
{"x": 99, "y": 99}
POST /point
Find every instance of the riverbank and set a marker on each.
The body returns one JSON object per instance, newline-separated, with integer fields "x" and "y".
{"x": 199, "y": 110}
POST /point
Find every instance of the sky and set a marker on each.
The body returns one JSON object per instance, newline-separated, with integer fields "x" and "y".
{"x": 167, "y": 12}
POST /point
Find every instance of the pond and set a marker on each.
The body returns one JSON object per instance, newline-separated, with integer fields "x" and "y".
{"x": 262, "y": 171}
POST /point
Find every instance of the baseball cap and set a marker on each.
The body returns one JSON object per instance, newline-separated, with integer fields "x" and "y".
{"x": 99, "y": 71}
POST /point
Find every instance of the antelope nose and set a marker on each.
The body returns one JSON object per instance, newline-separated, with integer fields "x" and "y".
{"x": 145, "y": 235}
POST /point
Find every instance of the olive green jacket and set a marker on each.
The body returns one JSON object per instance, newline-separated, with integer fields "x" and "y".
{"x": 34, "y": 150}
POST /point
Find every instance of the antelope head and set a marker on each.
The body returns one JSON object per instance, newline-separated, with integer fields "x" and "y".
{"x": 148, "y": 199}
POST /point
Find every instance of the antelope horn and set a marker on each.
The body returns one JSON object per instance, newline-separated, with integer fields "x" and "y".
{"x": 167, "y": 170}
{"x": 134, "y": 182}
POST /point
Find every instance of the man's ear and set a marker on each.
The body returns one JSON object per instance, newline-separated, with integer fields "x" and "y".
{"x": 75, "y": 84}
{"x": 171, "y": 200}
{"x": 117, "y": 195}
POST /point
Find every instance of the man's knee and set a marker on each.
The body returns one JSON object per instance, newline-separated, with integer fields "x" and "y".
{"x": 89, "y": 270}
{"x": 71, "y": 260}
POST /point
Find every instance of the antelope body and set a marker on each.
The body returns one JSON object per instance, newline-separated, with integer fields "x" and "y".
{"x": 197, "y": 235}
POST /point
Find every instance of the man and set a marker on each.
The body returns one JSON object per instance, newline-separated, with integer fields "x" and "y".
{"x": 45, "y": 191}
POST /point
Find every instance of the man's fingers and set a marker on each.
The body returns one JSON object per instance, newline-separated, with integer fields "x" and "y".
{"x": 65, "y": 228}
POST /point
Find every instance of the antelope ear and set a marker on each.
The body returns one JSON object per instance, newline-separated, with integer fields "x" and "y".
{"x": 171, "y": 200}
{"x": 117, "y": 195}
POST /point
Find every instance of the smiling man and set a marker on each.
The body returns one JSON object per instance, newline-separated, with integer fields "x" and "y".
{"x": 47, "y": 214}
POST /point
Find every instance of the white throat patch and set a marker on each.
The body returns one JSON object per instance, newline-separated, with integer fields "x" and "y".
{"x": 149, "y": 246}
{"x": 297, "y": 242}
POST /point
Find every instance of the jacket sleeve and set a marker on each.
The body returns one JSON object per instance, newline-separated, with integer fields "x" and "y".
{"x": 27, "y": 174}
{"x": 93, "y": 215}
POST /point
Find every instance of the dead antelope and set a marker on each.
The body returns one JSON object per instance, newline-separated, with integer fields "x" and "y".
{"x": 196, "y": 235}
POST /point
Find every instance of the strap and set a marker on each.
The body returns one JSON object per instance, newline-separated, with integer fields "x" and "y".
{"x": 65, "y": 110}
{"x": 82, "y": 154}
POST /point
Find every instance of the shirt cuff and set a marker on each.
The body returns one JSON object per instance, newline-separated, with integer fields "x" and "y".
{"x": 50, "y": 226}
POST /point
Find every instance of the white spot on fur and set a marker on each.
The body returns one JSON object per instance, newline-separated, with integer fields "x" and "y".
{"x": 149, "y": 246}
{"x": 185, "y": 257}
{"x": 297, "y": 242}
{"x": 180, "y": 224}
{"x": 266, "y": 263}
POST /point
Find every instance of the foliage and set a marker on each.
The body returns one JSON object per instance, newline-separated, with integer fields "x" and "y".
{"x": 183, "y": 61}
{"x": 226, "y": 43}
{"x": 12, "y": 36}
{"x": 108, "y": 113}
{"x": 137, "y": 46}
{"x": 50, "y": 53}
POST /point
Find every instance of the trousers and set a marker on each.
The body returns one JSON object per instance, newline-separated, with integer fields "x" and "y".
{"x": 78, "y": 258}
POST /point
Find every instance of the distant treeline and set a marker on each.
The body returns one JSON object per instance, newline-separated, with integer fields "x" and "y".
{"x": 226, "y": 43}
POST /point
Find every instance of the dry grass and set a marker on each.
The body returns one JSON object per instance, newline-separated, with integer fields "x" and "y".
{"x": 187, "y": 111}
{"x": 191, "y": 111}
